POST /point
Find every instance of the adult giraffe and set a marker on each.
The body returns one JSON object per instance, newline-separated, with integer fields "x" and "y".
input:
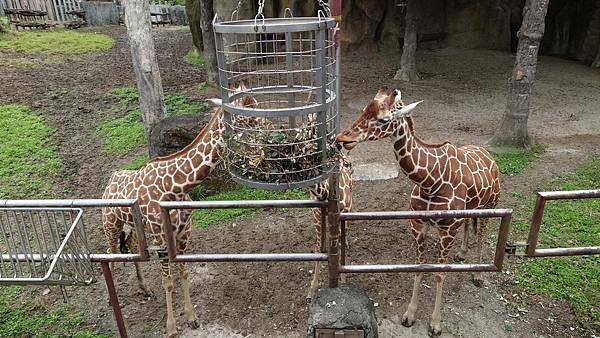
{"x": 445, "y": 177}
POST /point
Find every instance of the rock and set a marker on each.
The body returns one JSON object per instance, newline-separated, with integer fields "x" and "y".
{"x": 175, "y": 132}
{"x": 344, "y": 307}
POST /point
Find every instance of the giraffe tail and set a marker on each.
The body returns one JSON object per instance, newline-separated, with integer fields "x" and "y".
{"x": 123, "y": 243}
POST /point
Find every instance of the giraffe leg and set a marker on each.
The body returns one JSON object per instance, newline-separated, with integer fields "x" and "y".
{"x": 464, "y": 246}
{"x": 112, "y": 230}
{"x": 419, "y": 232}
{"x": 478, "y": 279}
{"x": 132, "y": 245}
{"x": 314, "y": 284}
{"x": 447, "y": 237}
{"x": 167, "y": 280}
{"x": 190, "y": 312}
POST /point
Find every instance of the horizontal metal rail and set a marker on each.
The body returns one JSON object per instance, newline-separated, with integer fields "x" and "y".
{"x": 253, "y": 257}
{"x": 74, "y": 203}
{"x": 504, "y": 214}
{"x": 536, "y": 222}
{"x": 236, "y": 257}
{"x": 243, "y": 204}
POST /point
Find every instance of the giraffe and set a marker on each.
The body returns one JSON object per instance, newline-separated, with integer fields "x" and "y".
{"x": 171, "y": 178}
{"x": 321, "y": 192}
{"x": 167, "y": 178}
{"x": 445, "y": 177}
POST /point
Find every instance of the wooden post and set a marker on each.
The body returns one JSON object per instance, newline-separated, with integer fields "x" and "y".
{"x": 513, "y": 130}
{"x": 145, "y": 65}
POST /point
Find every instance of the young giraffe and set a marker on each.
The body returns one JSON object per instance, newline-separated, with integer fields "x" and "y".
{"x": 171, "y": 178}
{"x": 445, "y": 177}
{"x": 168, "y": 178}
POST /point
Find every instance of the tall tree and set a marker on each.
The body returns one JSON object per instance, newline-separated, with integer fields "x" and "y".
{"x": 192, "y": 9}
{"x": 408, "y": 64}
{"x": 145, "y": 65}
{"x": 596, "y": 63}
{"x": 210, "y": 55}
{"x": 513, "y": 129}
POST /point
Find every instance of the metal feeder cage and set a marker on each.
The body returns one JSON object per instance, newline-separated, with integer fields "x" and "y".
{"x": 278, "y": 85}
{"x": 44, "y": 246}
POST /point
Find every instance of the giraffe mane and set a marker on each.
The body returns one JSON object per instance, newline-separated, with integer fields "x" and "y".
{"x": 411, "y": 129}
{"x": 201, "y": 134}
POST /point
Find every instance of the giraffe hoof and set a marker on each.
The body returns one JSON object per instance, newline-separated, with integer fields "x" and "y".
{"x": 407, "y": 321}
{"x": 194, "y": 324}
{"x": 434, "y": 332}
{"x": 478, "y": 280}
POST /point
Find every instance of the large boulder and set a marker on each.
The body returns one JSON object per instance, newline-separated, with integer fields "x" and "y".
{"x": 344, "y": 307}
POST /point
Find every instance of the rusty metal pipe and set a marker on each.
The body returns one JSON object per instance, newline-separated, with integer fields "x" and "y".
{"x": 572, "y": 194}
{"x": 114, "y": 299}
{"x": 252, "y": 257}
{"x": 432, "y": 214}
{"x": 243, "y": 204}
{"x": 74, "y": 203}
{"x": 534, "y": 228}
{"x": 380, "y": 268}
{"x": 505, "y": 225}
{"x": 578, "y": 251}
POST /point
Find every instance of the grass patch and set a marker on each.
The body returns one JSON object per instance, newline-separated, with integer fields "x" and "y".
{"x": 20, "y": 318}
{"x": 28, "y": 157}
{"x": 183, "y": 29}
{"x": 136, "y": 163}
{"x": 568, "y": 223}
{"x": 194, "y": 58}
{"x": 204, "y": 218}
{"x": 17, "y": 63}
{"x": 55, "y": 42}
{"x": 4, "y": 24}
{"x": 203, "y": 87}
{"x": 514, "y": 161}
{"x": 125, "y": 133}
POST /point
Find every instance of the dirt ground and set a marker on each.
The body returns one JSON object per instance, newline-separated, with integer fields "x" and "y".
{"x": 465, "y": 95}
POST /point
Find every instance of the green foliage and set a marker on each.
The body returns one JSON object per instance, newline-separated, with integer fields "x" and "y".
{"x": 204, "y": 218}
{"x": 565, "y": 224}
{"x": 514, "y": 161}
{"x": 136, "y": 163}
{"x": 4, "y": 24}
{"x": 55, "y": 42}
{"x": 125, "y": 133}
{"x": 28, "y": 157}
{"x": 20, "y": 318}
{"x": 203, "y": 86}
{"x": 17, "y": 63}
{"x": 194, "y": 58}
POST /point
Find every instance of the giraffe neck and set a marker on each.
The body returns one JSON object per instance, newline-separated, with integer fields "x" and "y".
{"x": 422, "y": 163}
{"x": 192, "y": 164}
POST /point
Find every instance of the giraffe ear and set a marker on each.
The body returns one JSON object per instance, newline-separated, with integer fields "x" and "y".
{"x": 382, "y": 92}
{"x": 394, "y": 96}
{"x": 216, "y": 101}
{"x": 406, "y": 110}
{"x": 372, "y": 109}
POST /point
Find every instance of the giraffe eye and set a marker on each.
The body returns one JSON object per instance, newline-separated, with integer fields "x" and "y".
{"x": 383, "y": 120}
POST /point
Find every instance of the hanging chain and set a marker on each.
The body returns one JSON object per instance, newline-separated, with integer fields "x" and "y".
{"x": 261, "y": 6}
{"x": 325, "y": 7}
{"x": 236, "y": 12}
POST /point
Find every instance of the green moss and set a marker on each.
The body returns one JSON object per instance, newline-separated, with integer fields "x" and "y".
{"x": 28, "y": 157}
{"x": 204, "y": 218}
{"x": 567, "y": 223}
{"x": 55, "y": 42}
{"x": 17, "y": 63}
{"x": 514, "y": 161}
{"x": 194, "y": 58}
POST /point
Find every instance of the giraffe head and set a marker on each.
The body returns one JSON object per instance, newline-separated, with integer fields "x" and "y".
{"x": 380, "y": 118}
{"x": 243, "y": 101}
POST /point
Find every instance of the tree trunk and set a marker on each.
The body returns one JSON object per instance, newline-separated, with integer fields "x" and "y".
{"x": 192, "y": 9}
{"x": 210, "y": 55}
{"x": 513, "y": 129}
{"x": 408, "y": 64}
{"x": 145, "y": 65}
{"x": 596, "y": 63}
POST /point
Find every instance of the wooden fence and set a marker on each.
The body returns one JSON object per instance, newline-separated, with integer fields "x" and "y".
{"x": 57, "y": 9}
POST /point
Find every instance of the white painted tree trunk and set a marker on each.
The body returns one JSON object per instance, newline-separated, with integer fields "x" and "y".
{"x": 145, "y": 65}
